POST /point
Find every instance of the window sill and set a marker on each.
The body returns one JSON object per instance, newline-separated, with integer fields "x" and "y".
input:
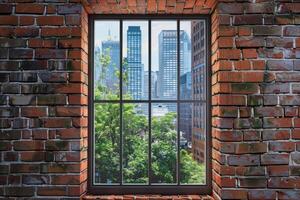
{"x": 147, "y": 197}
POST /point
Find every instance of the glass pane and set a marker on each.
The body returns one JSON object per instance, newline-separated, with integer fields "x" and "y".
{"x": 135, "y": 143}
{"x": 192, "y": 60}
{"x": 164, "y": 143}
{"x": 192, "y": 143}
{"x": 135, "y": 60}
{"x": 107, "y": 143}
{"x": 164, "y": 59}
{"x": 106, "y": 60}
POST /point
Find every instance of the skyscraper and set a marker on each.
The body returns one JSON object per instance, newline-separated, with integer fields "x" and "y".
{"x": 153, "y": 84}
{"x": 167, "y": 81}
{"x": 135, "y": 68}
{"x": 186, "y": 108}
{"x": 198, "y": 90}
{"x": 111, "y": 48}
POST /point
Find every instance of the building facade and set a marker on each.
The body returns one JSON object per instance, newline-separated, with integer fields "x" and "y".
{"x": 198, "y": 89}
{"x": 109, "y": 72}
{"x": 167, "y": 81}
{"x": 135, "y": 68}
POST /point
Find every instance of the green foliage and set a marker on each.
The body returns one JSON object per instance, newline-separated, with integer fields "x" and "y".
{"x": 135, "y": 143}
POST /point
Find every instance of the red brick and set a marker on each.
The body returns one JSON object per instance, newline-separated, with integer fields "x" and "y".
{"x": 36, "y": 42}
{"x": 57, "y": 122}
{"x": 69, "y": 43}
{"x": 30, "y": 8}
{"x": 277, "y": 122}
{"x": 224, "y": 42}
{"x": 275, "y": 159}
{"x": 34, "y": 112}
{"x": 278, "y": 170}
{"x": 253, "y": 182}
{"x": 8, "y": 20}
{"x": 28, "y": 145}
{"x": 251, "y": 148}
{"x": 229, "y": 54}
{"x": 282, "y": 146}
{"x": 26, "y": 20}
{"x": 249, "y": 53}
{"x": 32, "y": 156}
{"x": 52, "y": 191}
{"x": 284, "y": 182}
{"x": 6, "y": 8}
{"x": 247, "y": 19}
{"x": 50, "y": 20}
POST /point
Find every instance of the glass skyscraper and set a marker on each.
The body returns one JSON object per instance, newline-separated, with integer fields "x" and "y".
{"x": 111, "y": 48}
{"x": 135, "y": 68}
{"x": 168, "y": 61}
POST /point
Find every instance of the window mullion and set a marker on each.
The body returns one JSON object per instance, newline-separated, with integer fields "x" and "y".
{"x": 178, "y": 105}
{"x": 149, "y": 105}
{"x": 121, "y": 103}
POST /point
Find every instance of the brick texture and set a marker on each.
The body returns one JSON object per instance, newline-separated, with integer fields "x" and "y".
{"x": 43, "y": 95}
{"x": 255, "y": 100}
{"x": 255, "y": 96}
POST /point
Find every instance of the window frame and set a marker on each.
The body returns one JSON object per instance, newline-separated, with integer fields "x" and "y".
{"x": 163, "y": 189}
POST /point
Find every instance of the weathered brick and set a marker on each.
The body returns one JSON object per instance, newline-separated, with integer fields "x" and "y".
{"x": 247, "y": 19}
{"x": 267, "y": 30}
{"x": 57, "y": 145}
{"x": 19, "y": 191}
{"x": 275, "y": 88}
{"x": 251, "y": 148}
{"x": 20, "y": 53}
{"x": 253, "y": 182}
{"x": 275, "y": 159}
{"x": 280, "y": 65}
{"x": 69, "y": 9}
{"x": 250, "y": 42}
{"x": 28, "y": 145}
{"x": 50, "y": 20}
{"x": 25, "y": 8}
{"x": 243, "y": 160}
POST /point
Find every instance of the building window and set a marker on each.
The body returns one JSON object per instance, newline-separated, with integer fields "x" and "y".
{"x": 148, "y": 103}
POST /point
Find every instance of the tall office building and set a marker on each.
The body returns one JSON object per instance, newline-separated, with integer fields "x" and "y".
{"x": 135, "y": 68}
{"x": 198, "y": 90}
{"x": 167, "y": 82}
{"x": 186, "y": 108}
{"x": 153, "y": 84}
{"x": 111, "y": 48}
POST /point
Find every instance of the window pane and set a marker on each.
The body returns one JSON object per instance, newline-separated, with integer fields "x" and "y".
{"x": 135, "y": 143}
{"x": 192, "y": 60}
{"x": 192, "y": 143}
{"x": 164, "y": 59}
{"x": 164, "y": 143}
{"x": 107, "y": 143}
{"x": 106, "y": 60}
{"x": 135, "y": 60}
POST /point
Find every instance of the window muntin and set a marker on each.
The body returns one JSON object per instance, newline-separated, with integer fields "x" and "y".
{"x": 182, "y": 100}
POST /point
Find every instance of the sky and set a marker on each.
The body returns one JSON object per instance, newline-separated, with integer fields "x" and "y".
{"x": 104, "y": 27}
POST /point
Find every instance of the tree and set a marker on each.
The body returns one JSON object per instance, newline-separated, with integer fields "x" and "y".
{"x": 135, "y": 143}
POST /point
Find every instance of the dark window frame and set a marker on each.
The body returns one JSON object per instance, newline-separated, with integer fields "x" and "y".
{"x": 149, "y": 189}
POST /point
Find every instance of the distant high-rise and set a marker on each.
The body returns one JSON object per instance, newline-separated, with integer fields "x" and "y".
{"x": 111, "y": 48}
{"x": 135, "y": 68}
{"x": 186, "y": 108}
{"x": 168, "y": 61}
{"x": 198, "y": 89}
{"x": 153, "y": 84}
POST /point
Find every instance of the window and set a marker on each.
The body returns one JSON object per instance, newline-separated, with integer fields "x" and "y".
{"x": 148, "y": 103}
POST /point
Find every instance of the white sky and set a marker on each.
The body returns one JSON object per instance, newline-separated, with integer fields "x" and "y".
{"x": 103, "y": 27}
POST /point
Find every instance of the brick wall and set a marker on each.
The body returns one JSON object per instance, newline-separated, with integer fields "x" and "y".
{"x": 255, "y": 95}
{"x": 43, "y": 101}
{"x": 256, "y": 100}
